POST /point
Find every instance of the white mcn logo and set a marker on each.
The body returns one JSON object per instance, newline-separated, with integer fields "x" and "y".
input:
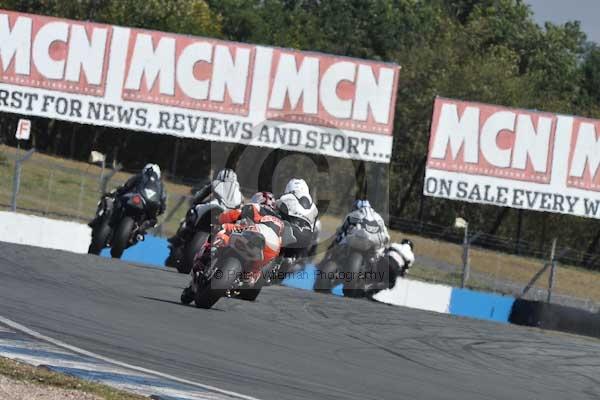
{"x": 228, "y": 73}
{"x": 305, "y": 84}
{"x": 587, "y": 152}
{"x": 479, "y": 138}
{"x": 163, "y": 65}
{"x": 83, "y": 54}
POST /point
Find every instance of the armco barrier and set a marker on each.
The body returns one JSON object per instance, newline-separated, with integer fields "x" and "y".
{"x": 44, "y": 232}
{"x": 415, "y": 294}
{"x": 51, "y": 234}
{"x": 480, "y": 305}
{"x": 555, "y": 317}
{"x": 152, "y": 251}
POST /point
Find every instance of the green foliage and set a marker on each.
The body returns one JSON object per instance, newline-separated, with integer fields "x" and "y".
{"x": 480, "y": 50}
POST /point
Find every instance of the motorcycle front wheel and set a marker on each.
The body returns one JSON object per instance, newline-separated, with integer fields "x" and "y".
{"x": 223, "y": 279}
{"x": 353, "y": 286}
{"x": 324, "y": 281}
{"x": 99, "y": 237}
{"x": 121, "y": 237}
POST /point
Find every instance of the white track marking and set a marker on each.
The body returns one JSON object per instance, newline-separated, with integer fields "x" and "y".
{"x": 18, "y": 327}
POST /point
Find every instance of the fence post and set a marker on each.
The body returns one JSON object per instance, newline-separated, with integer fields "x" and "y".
{"x": 105, "y": 179}
{"x": 50, "y": 182}
{"x": 16, "y": 184}
{"x": 17, "y": 177}
{"x": 551, "y": 278}
{"x": 81, "y": 190}
{"x": 466, "y": 264}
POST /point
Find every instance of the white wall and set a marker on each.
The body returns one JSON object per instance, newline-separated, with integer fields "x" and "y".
{"x": 415, "y": 294}
{"x": 44, "y": 232}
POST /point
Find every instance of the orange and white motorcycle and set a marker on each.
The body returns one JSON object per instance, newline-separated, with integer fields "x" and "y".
{"x": 237, "y": 261}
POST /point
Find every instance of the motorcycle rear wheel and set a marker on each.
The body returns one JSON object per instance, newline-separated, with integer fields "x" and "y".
{"x": 99, "y": 237}
{"x": 223, "y": 280}
{"x": 121, "y": 237}
{"x": 190, "y": 250}
{"x": 187, "y": 296}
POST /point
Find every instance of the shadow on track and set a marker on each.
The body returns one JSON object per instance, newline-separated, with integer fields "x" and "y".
{"x": 178, "y": 303}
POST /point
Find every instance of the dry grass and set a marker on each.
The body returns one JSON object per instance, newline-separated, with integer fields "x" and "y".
{"x": 569, "y": 281}
{"x": 52, "y": 185}
{"x": 44, "y": 377}
{"x": 66, "y": 188}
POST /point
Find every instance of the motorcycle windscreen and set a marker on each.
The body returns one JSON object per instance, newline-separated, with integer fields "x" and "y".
{"x": 363, "y": 240}
{"x": 228, "y": 193}
{"x": 151, "y": 189}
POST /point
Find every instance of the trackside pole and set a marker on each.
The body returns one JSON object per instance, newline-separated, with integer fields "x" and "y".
{"x": 465, "y": 258}
{"x": 552, "y": 276}
{"x": 17, "y": 177}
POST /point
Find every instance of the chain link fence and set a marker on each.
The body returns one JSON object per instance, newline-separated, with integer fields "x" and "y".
{"x": 70, "y": 190}
{"x": 64, "y": 189}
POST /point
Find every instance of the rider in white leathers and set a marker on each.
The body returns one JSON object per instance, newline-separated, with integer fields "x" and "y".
{"x": 224, "y": 191}
{"x": 364, "y": 230}
{"x": 300, "y": 213}
{"x": 375, "y": 229}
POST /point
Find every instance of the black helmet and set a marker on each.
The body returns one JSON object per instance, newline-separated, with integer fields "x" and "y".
{"x": 409, "y": 243}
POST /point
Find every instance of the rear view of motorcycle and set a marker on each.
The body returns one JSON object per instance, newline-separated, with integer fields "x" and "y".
{"x": 221, "y": 194}
{"x": 234, "y": 266}
{"x": 193, "y": 233}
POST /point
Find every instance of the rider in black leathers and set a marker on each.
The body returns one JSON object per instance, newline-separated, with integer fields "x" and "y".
{"x": 150, "y": 172}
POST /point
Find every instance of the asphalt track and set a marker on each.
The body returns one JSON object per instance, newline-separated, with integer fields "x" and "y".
{"x": 290, "y": 344}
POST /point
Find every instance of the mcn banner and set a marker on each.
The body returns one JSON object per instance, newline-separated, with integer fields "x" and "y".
{"x": 514, "y": 158}
{"x": 196, "y": 87}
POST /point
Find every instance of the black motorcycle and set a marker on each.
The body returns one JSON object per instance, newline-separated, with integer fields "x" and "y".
{"x": 119, "y": 221}
{"x": 194, "y": 231}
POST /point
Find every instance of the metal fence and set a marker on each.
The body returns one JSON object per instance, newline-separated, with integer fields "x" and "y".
{"x": 565, "y": 254}
{"x": 70, "y": 190}
{"x": 41, "y": 185}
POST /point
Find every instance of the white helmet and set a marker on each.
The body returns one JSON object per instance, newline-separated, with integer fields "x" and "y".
{"x": 298, "y": 187}
{"x": 226, "y": 175}
{"x": 151, "y": 168}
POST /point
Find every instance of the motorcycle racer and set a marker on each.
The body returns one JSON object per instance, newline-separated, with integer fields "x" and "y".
{"x": 297, "y": 208}
{"x": 362, "y": 212}
{"x": 258, "y": 218}
{"x": 224, "y": 189}
{"x": 149, "y": 174}
{"x": 260, "y": 210}
{"x": 364, "y": 238}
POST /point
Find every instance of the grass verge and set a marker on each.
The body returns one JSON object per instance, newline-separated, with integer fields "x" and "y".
{"x": 44, "y": 377}
{"x": 52, "y": 184}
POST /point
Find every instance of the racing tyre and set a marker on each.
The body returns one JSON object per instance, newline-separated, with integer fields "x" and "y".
{"x": 190, "y": 250}
{"x": 99, "y": 237}
{"x": 223, "y": 280}
{"x": 121, "y": 237}
{"x": 353, "y": 287}
{"x": 187, "y": 296}
{"x": 323, "y": 284}
{"x": 249, "y": 294}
